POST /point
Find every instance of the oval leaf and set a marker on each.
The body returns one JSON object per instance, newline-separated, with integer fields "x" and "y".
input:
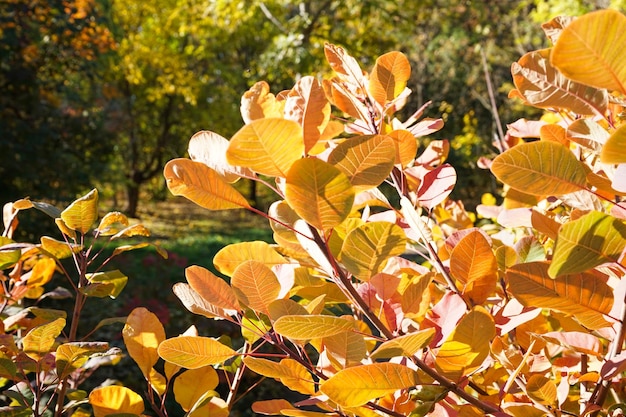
{"x": 366, "y": 248}
{"x": 212, "y": 288}
{"x": 613, "y": 149}
{"x": 193, "y": 384}
{"x": 406, "y": 345}
{"x": 436, "y": 185}
{"x": 210, "y": 148}
{"x": 587, "y": 50}
{"x": 115, "y": 399}
{"x": 194, "y": 352}
{"x": 267, "y": 146}
{"x": 259, "y": 103}
{"x": 540, "y": 168}
{"x": 142, "y": 335}
{"x": 591, "y": 240}
{"x": 389, "y": 77}
{"x": 357, "y": 385}
{"x": 40, "y": 340}
{"x": 366, "y": 160}
{"x": 82, "y": 213}
{"x": 300, "y": 327}
{"x": 320, "y": 193}
{"x": 587, "y": 296}
{"x": 473, "y": 263}
{"x": 202, "y": 185}
{"x": 230, "y": 257}
{"x": 255, "y": 285}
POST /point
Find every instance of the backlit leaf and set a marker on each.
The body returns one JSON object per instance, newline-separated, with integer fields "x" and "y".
{"x": 406, "y": 345}
{"x": 142, "y": 335}
{"x": 202, "y": 185}
{"x": 255, "y": 285}
{"x": 195, "y": 303}
{"x": 271, "y": 407}
{"x": 588, "y": 50}
{"x": 389, "y": 76}
{"x": 320, "y": 193}
{"x": 82, "y": 213}
{"x": 42, "y": 272}
{"x": 346, "y": 348}
{"x": 540, "y": 168}
{"x": 311, "y": 327}
{"x": 111, "y": 283}
{"x": 40, "y": 340}
{"x": 591, "y": 240}
{"x": 406, "y": 147}
{"x": 366, "y": 248}
{"x": 541, "y": 389}
{"x": 192, "y": 384}
{"x": 210, "y": 148}
{"x": 8, "y": 258}
{"x": 307, "y": 105}
{"x": 231, "y": 256}
{"x": 285, "y": 307}
{"x": 212, "y": 288}
{"x": 473, "y": 263}
{"x": 366, "y": 160}
{"x": 71, "y": 356}
{"x": 259, "y": 103}
{"x": 614, "y": 150}
{"x": 115, "y": 399}
{"x": 554, "y": 133}
{"x": 586, "y": 295}
{"x": 587, "y": 133}
{"x": 355, "y": 386}
{"x": 288, "y": 371}
{"x": 194, "y": 352}
{"x": 468, "y": 345}
{"x": 267, "y": 146}
{"x": 544, "y": 86}
{"x": 112, "y": 223}
{"x": 346, "y": 67}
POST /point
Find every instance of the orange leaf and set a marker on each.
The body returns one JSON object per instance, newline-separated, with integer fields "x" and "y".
{"x": 193, "y": 384}
{"x": 473, "y": 263}
{"x": 212, "y": 288}
{"x": 231, "y": 256}
{"x": 142, "y": 335}
{"x": 389, "y": 77}
{"x": 202, "y": 185}
{"x": 115, "y": 399}
{"x": 267, "y": 146}
{"x": 255, "y": 285}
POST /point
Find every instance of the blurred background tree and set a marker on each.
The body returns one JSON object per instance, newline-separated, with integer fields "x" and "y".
{"x": 104, "y": 92}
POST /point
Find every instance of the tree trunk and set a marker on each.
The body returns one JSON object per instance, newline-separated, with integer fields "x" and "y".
{"x": 132, "y": 196}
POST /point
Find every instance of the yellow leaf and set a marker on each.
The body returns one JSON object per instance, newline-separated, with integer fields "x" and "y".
{"x": 467, "y": 346}
{"x": 115, "y": 399}
{"x": 591, "y": 240}
{"x": 307, "y": 105}
{"x": 406, "y": 345}
{"x": 202, "y": 185}
{"x": 142, "y": 335}
{"x": 64, "y": 228}
{"x": 40, "y": 340}
{"x": 259, "y": 103}
{"x": 194, "y": 352}
{"x": 540, "y": 168}
{"x": 367, "y": 248}
{"x": 473, "y": 263}
{"x": 210, "y": 148}
{"x": 8, "y": 258}
{"x": 231, "y": 256}
{"x": 366, "y": 160}
{"x": 112, "y": 223}
{"x": 58, "y": 249}
{"x": 311, "y": 327}
{"x": 42, "y": 272}
{"x": 355, "y": 386}
{"x": 320, "y": 193}
{"x": 389, "y": 77}
{"x": 587, "y": 50}
{"x": 212, "y": 288}
{"x": 192, "y": 384}
{"x": 71, "y": 356}
{"x": 267, "y": 146}
{"x": 82, "y": 213}
{"x": 288, "y": 371}
{"x": 586, "y": 295}
{"x": 541, "y": 389}
{"x": 255, "y": 285}
{"x": 345, "y": 348}
{"x": 614, "y": 150}
{"x": 285, "y": 307}
{"x": 271, "y": 407}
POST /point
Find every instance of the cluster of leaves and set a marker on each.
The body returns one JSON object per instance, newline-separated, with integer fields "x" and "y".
{"x": 404, "y": 306}
{"x": 44, "y": 360}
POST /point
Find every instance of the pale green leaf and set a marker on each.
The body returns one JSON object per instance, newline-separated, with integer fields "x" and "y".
{"x": 39, "y": 341}
{"x": 591, "y": 240}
